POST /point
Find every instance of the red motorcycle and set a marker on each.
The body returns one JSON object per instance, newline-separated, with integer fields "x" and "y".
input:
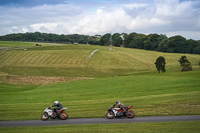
{"x": 119, "y": 112}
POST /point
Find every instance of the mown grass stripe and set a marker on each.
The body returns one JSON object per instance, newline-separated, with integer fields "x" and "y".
{"x": 119, "y": 60}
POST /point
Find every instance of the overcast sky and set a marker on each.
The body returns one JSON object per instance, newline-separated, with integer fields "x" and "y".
{"x": 90, "y": 17}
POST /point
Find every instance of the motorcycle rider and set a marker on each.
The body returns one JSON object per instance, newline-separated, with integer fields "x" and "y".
{"x": 120, "y": 105}
{"x": 59, "y": 107}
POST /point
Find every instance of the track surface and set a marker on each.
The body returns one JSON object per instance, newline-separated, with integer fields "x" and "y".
{"x": 97, "y": 121}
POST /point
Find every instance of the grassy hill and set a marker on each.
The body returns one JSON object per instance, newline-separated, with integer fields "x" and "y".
{"x": 125, "y": 74}
{"x": 72, "y": 61}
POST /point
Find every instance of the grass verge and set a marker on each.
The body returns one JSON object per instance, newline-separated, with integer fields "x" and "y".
{"x": 155, "y": 127}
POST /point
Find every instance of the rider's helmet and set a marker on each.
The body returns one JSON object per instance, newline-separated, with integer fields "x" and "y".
{"x": 56, "y": 102}
{"x": 118, "y": 102}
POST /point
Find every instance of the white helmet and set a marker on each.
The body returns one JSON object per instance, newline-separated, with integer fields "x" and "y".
{"x": 118, "y": 102}
{"x": 56, "y": 102}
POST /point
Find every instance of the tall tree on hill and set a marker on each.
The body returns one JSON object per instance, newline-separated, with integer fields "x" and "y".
{"x": 192, "y": 45}
{"x": 162, "y": 45}
{"x": 134, "y": 40}
{"x": 177, "y": 44}
{"x": 160, "y": 64}
{"x": 105, "y": 39}
{"x": 185, "y": 64}
{"x": 116, "y": 40}
{"x": 196, "y": 49}
{"x": 152, "y": 41}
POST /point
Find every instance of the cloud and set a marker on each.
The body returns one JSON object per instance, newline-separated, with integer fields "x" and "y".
{"x": 14, "y": 28}
{"x": 134, "y": 6}
{"x": 44, "y": 26}
{"x": 188, "y": 34}
{"x": 30, "y": 3}
{"x": 155, "y": 16}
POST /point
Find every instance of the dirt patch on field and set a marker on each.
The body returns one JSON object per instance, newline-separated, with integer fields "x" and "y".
{"x": 39, "y": 80}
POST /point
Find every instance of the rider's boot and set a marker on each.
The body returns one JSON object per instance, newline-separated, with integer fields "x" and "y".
{"x": 58, "y": 112}
{"x": 124, "y": 113}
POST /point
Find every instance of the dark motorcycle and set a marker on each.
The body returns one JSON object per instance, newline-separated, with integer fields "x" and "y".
{"x": 119, "y": 112}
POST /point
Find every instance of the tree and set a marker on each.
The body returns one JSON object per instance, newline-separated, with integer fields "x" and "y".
{"x": 105, "y": 39}
{"x": 192, "y": 45}
{"x": 196, "y": 48}
{"x": 185, "y": 64}
{"x": 177, "y": 44}
{"x": 117, "y": 40}
{"x": 152, "y": 41}
{"x": 134, "y": 40}
{"x": 162, "y": 45}
{"x": 160, "y": 64}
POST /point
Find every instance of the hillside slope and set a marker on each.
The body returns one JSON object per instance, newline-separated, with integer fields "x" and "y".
{"x": 74, "y": 61}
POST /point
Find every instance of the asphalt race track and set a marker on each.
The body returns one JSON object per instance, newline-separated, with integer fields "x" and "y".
{"x": 97, "y": 121}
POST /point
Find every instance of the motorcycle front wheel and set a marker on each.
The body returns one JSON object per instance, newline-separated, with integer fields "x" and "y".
{"x": 130, "y": 114}
{"x": 110, "y": 115}
{"x": 45, "y": 117}
{"x": 63, "y": 116}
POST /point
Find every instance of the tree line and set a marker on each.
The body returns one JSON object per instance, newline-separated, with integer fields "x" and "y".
{"x": 155, "y": 42}
{"x": 48, "y": 37}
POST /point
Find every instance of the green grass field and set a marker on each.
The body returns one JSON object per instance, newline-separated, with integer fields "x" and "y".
{"x": 125, "y": 74}
{"x": 15, "y": 44}
{"x": 21, "y": 44}
{"x": 155, "y": 127}
{"x": 150, "y": 94}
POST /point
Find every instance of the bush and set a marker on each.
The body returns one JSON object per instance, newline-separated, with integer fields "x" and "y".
{"x": 160, "y": 64}
{"x": 185, "y": 64}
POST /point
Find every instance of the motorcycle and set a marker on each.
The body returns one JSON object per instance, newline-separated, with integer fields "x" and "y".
{"x": 48, "y": 112}
{"x": 119, "y": 112}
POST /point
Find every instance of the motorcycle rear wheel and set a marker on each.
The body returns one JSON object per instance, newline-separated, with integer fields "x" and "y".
{"x": 130, "y": 114}
{"x": 63, "y": 116}
{"x": 110, "y": 115}
{"x": 45, "y": 117}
